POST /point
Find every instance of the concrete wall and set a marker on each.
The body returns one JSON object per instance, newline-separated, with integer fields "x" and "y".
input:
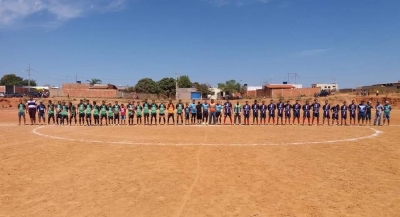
{"x": 272, "y": 93}
{"x": 84, "y": 91}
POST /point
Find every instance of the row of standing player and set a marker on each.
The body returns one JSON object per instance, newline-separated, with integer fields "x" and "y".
{"x": 210, "y": 113}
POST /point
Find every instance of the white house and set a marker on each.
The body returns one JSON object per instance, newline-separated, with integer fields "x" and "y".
{"x": 331, "y": 86}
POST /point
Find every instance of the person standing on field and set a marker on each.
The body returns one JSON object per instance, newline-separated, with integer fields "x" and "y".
{"x": 271, "y": 112}
{"x": 72, "y": 112}
{"x": 368, "y": 115}
{"x": 31, "y": 110}
{"x": 110, "y": 114}
{"x": 21, "y": 112}
{"x": 50, "y": 112}
{"x": 228, "y": 111}
{"x": 96, "y": 113}
{"x": 212, "y": 118}
{"x": 352, "y": 110}
{"x": 103, "y": 112}
{"x": 387, "y": 108}
{"x": 362, "y": 109}
{"x": 288, "y": 108}
{"x": 171, "y": 111}
{"x": 41, "y": 112}
{"x": 246, "y": 113}
{"x": 378, "y": 116}
{"x": 199, "y": 115}
{"x": 205, "y": 108}
{"x": 218, "y": 112}
{"x": 335, "y": 114}
{"x": 280, "y": 106}
{"x": 130, "y": 112}
{"x": 255, "y": 108}
{"x": 343, "y": 110}
{"x": 238, "y": 112}
{"x": 88, "y": 113}
{"x": 116, "y": 109}
{"x": 306, "y": 112}
{"x": 146, "y": 112}
{"x": 315, "y": 107}
{"x": 81, "y": 111}
{"x": 296, "y": 112}
{"x": 161, "y": 114}
{"x": 326, "y": 116}
{"x": 153, "y": 108}
{"x": 179, "y": 112}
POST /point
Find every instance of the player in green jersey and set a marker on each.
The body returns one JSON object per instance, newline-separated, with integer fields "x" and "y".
{"x": 81, "y": 111}
{"x": 110, "y": 114}
{"x": 139, "y": 109}
{"x": 21, "y": 112}
{"x": 64, "y": 113}
{"x": 72, "y": 113}
{"x": 146, "y": 112}
{"x": 162, "y": 108}
{"x": 103, "y": 112}
{"x": 153, "y": 110}
{"x": 96, "y": 113}
{"x": 179, "y": 112}
{"x": 131, "y": 110}
{"x": 116, "y": 109}
{"x": 58, "y": 112}
{"x": 50, "y": 112}
{"x": 88, "y": 113}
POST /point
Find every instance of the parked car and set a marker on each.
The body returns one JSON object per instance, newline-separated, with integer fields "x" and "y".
{"x": 323, "y": 93}
{"x": 12, "y": 95}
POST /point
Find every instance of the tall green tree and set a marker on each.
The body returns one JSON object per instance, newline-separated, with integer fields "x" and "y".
{"x": 32, "y": 82}
{"x": 11, "y": 80}
{"x": 167, "y": 86}
{"x": 230, "y": 86}
{"x": 146, "y": 85}
{"x": 203, "y": 88}
{"x": 94, "y": 81}
{"x": 184, "y": 82}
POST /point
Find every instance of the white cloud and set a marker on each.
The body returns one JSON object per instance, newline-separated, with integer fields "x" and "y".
{"x": 15, "y": 11}
{"x": 312, "y": 52}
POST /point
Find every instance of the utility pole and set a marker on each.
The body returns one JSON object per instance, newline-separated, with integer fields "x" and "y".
{"x": 176, "y": 82}
{"x": 294, "y": 75}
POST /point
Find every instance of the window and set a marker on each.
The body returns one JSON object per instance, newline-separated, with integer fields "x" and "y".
{"x": 329, "y": 87}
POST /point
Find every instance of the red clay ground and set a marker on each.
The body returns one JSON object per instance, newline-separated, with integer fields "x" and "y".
{"x": 196, "y": 171}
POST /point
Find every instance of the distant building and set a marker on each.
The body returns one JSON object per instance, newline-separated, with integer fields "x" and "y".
{"x": 285, "y": 90}
{"x": 330, "y": 87}
{"x": 188, "y": 93}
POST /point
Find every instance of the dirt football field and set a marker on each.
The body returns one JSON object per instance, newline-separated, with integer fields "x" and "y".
{"x": 205, "y": 171}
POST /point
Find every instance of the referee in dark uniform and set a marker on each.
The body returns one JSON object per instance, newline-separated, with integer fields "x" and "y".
{"x": 31, "y": 107}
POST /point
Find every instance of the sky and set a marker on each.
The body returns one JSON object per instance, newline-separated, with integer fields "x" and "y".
{"x": 352, "y": 42}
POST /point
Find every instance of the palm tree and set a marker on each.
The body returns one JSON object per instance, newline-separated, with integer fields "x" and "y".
{"x": 94, "y": 81}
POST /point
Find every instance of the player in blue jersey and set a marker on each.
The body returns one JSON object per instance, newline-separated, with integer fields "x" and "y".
{"x": 255, "y": 108}
{"x": 287, "y": 110}
{"x": 326, "y": 109}
{"x": 271, "y": 112}
{"x": 352, "y": 110}
{"x": 368, "y": 115}
{"x": 263, "y": 113}
{"x": 362, "y": 112}
{"x": 281, "y": 107}
{"x": 343, "y": 111}
{"x": 193, "y": 112}
{"x": 306, "y": 112}
{"x": 315, "y": 108}
{"x": 246, "y": 113}
{"x": 218, "y": 112}
{"x": 205, "y": 108}
{"x": 296, "y": 112}
{"x": 228, "y": 111}
{"x": 335, "y": 114}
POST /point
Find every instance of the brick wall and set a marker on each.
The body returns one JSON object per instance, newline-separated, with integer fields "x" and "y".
{"x": 2, "y": 89}
{"x": 84, "y": 91}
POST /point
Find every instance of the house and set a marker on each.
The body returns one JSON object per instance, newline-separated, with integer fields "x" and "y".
{"x": 285, "y": 90}
{"x": 188, "y": 93}
{"x": 330, "y": 87}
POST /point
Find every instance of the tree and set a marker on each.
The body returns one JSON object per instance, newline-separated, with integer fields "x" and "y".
{"x": 230, "y": 86}
{"x": 184, "y": 82}
{"x": 94, "y": 81}
{"x": 146, "y": 85}
{"x": 32, "y": 83}
{"x": 129, "y": 90}
{"x": 11, "y": 80}
{"x": 203, "y": 88}
{"x": 167, "y": 86}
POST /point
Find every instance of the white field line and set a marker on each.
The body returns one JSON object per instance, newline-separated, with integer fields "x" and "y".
{"x": 374, "y": 134}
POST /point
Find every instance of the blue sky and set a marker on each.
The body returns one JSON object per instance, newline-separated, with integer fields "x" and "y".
{"x": 253, "y": 41}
